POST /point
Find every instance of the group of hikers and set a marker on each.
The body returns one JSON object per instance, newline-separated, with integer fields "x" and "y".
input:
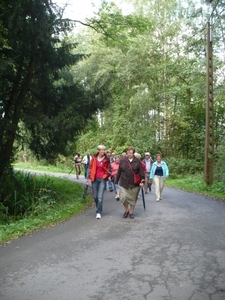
{"x": 124, "y": 174}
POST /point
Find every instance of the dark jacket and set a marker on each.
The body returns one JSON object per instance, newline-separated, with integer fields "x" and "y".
{"x": 125, "y": 174}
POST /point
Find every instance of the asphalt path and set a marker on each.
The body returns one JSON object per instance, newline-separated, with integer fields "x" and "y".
{"x": 173, "y": 250}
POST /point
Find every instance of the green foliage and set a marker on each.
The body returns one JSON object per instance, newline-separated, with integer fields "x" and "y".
{"x": 141, "y": 78}
{"x": 183, "y": 166}
{"x": 156, "y": 80}
{"x": 41, "y": 104}
{"x": 195, "y": 183}
{"x": 118, "y": 30}
{"x": 45, "y": 166}
{"x": 29, "y": 202}
{"x": 219, "y": 169}
{"x": 23, "y": 194}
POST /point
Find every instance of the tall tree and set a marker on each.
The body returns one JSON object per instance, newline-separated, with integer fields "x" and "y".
{"x": 155, "y": 69}
{"x": 34, "y": 86}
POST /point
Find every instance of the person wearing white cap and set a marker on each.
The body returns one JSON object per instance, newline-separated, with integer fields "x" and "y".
{"x": 148, "y": 163}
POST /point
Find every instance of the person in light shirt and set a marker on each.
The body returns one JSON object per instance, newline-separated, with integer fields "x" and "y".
{"x": 148, "y": 163}
{"x": 159, "y": 173}
{"x": 86, "y": 162}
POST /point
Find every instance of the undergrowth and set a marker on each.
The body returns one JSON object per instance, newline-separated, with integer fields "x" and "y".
{"x": 195, "y": 183}
{"x": 29, "y": 202}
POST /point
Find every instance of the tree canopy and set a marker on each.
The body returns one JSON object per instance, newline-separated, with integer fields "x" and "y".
{"x": 125, "y": 79}
{"x": 40, "y": 102}
{"x": 155, "y": 67}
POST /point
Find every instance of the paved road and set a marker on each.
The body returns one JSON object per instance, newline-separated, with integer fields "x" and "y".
{"x": 175, "y": 250}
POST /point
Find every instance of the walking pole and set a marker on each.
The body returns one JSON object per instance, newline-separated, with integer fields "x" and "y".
{"x": 85, "y": 191}
{"x": 143, "y": 197}
{"x": 71, "y": 171}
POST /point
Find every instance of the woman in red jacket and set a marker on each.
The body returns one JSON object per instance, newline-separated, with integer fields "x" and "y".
{"x": 98, "y": 175}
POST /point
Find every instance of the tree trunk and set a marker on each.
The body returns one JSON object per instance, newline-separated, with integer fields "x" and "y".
{"x": 9, "y": 124}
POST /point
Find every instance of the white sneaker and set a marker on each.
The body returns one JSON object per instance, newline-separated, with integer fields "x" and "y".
{"x": 157, "y": 200}
{"x": 98, "y": 216}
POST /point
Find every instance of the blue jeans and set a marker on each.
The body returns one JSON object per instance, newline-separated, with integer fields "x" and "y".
{"x": 98, "y": 188}
{"x": 86, "y": 166}
{"x": 116, "y": 188}
{"x": 110, "y": 185}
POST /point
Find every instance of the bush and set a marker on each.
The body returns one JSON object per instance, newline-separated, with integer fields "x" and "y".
{"x": 182, "y": 166}
{"x": 219, "y": 167}
{"x": 22, "y": 193}
{"x": 29, "y": 202}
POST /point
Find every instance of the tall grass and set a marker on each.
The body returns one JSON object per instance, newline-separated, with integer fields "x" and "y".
{"x": 29, "y": 201}
{"x": 21, "y": 193}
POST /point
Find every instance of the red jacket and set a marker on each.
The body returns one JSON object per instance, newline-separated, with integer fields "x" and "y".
{"x": 93, "y": 164}
{"x": 143, "y": 166}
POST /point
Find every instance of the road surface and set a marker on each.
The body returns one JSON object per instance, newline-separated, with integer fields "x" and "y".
{"x": 174, "y": 250}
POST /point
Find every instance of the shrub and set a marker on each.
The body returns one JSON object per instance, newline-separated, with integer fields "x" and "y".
{"x": 182, "y": 166}
{"x": 22, "y": 193}
{"x": 219, "y": 166}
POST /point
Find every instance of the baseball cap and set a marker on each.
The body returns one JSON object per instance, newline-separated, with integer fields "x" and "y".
{"x": 147, "y": 153}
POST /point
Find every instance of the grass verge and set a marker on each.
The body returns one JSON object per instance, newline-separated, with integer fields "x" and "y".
{"x": 47, "y": 168}
{"x": 57, "y": 200}
{"x": 195, "y": 183}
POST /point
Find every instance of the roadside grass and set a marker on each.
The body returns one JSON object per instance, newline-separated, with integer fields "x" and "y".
{"x": 195, "y": 183}
{"x": 47, "y": 168}
{"x": 49, "y": 201}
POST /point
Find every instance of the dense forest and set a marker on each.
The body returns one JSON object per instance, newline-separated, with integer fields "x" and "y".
{"x": 153, "y": 64}
{"x": 122, "y": 79}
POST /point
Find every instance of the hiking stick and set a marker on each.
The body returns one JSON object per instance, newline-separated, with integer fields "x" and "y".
{"x": 143, "y": 197}
{"x": 85, "y": 191}
{"x": 71, "y": 171}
